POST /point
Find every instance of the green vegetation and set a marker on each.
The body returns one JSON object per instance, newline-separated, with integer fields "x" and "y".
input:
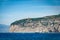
{"x": 22, "y": 21}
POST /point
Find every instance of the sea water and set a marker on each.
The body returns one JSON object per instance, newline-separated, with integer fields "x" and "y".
{"x": 29, "y": 36}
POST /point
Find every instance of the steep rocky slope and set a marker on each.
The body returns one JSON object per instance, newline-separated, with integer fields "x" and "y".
{"x": 43, "y": 24}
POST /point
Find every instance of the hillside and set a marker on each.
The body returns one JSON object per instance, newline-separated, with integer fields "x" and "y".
{"x": 43, "y": 24}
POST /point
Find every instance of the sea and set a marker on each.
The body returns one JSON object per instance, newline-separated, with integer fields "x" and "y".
{"x": 29, "y": 36}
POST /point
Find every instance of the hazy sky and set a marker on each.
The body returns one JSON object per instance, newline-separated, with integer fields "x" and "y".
{"x": 12, "y": 10}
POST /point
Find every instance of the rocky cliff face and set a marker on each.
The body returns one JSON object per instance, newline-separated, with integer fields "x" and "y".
{"x": 44, "y": 24}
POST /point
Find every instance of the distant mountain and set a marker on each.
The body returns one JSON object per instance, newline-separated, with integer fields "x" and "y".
{"x": 43, "y": 24}
{"x": 4, "y": 28}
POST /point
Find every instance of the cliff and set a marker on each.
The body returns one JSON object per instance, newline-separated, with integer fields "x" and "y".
{"x": 42, "y": 25}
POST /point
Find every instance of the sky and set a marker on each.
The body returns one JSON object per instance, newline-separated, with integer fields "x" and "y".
{"x": 12, "y": 10}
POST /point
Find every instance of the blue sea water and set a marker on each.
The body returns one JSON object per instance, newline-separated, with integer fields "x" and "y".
{"x": 29, "y": 36}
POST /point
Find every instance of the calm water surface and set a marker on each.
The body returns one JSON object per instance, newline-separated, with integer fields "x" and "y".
{"x": 29, "y": 36}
